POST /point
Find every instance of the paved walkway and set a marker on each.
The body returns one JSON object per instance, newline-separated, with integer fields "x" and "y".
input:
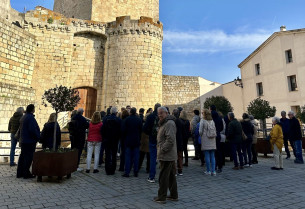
{"x": 257, "y": 187}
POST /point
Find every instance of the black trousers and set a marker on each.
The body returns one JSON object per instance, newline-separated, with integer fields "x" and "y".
{"x": 185, "y": 152}
{"x": 122, "y": 156}
{"x": 219, "y": 153}
{"x": 286, "y": 145}
{"x": 80, "y": 146}
{"x": 142, "y": 156}
{"x": 25, "y": 159}
{"x": 167, "y": 180}
{"x": 111, "y": 150}
{"x": 254, "y": 153}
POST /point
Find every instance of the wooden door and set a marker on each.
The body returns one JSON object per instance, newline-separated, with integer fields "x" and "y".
{"x": 87, "y": 100}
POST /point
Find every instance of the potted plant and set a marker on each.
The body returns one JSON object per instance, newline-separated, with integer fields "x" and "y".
{"x": 261, "y": 110}
{"x": 61, "y": 162}
{"x": 301, "y": 116}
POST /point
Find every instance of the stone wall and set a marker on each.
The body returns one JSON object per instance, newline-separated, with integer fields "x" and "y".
{"x": 134, "y": 75}
{"x": 107, "y": 10}
{"x": 181, "y": 91}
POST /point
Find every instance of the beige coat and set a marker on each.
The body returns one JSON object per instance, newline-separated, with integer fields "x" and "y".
{"x": 166, "y": 140}
{"x": 255, "y": 131}
{"x": 206, "y": 143}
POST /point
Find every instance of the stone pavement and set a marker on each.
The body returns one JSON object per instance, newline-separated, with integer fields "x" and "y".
{"x": 257, "y": 187}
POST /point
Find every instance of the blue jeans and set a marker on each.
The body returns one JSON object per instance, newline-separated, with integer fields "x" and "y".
{"x": 210, "y": 159}
{"x": 153, "y": 159}
{"x": 236, "y": 147}
{"x": 13, "y": 148}
{"x": 132, "y": 157}
{"x": 298, "y": 150}
{"x": 246, "y": 148}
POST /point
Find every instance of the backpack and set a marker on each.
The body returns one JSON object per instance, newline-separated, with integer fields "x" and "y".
{"x": 211, "y": 130}
{"x": 155, "y": 128}
{"x": 73, "y": 127}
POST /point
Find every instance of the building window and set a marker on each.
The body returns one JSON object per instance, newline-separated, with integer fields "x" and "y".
{"x": 257, "y": 69}
{"x": 260, "y": 91}
{"x": 288, "y": 56}
{"x": 292, "y": 83}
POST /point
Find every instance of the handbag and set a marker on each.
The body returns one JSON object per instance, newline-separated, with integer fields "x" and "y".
{"x": 244, "y": 136}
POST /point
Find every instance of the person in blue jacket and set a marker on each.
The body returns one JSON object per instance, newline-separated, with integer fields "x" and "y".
{"x": 29, "y": 136}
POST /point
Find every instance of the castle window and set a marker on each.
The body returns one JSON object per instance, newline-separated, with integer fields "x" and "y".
{"x": 292, "y": 83}
{"x": 257, "y": 69}
{"x": 259, "y": 88}
{"x": 288, "y": 54}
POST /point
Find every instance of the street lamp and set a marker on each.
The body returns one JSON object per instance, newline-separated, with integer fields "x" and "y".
{"x": 238, "y": 82}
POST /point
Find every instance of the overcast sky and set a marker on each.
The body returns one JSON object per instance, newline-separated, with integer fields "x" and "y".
{"x": 209, "y": 38}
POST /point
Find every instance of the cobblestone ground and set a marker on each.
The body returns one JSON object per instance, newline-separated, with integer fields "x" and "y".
{"x": 257, "y": 187}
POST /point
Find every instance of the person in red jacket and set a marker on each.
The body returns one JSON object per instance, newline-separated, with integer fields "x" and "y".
{"x": 94, "y": 141}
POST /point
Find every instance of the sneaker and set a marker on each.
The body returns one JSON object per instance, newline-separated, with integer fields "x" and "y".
{"x": 207, "y": 173}
{"x": 213, "y": 173}
{"x": 125, "y": 175}
{"x": 171, "y": 198}
{"x": 156, "y": 199}
{"x": 246, "y": 165}
{"x": 13, "y": 164}
{"x": 180, "y": 174}
{"x": 275, "y": 168}
{"x": 79, "y": 169}
{"x": 87, "y": 171}
{"x": 96, "y": 171}
{"x": 235, "y": 168}
{"x": 151, "y": 180}
{"x": 288, "y": 157}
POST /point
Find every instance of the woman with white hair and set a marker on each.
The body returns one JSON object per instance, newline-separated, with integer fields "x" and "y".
{"x": 276, "y": 140}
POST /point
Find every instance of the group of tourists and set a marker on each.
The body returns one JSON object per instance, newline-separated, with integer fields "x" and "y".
{"x": 159, "y": 136}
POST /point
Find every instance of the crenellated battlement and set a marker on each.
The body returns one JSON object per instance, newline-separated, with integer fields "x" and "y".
{"x": 144, "y": 26}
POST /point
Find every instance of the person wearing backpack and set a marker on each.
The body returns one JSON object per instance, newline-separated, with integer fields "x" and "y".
{"x": 78, "y": 131}
{"x": 207, "y": 132}
{"x": 111, "y": 132}
{"x": 151, "y": 129}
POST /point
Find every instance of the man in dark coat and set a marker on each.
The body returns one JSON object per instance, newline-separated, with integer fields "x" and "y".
{"x": 296, "y": 137}
{"x": 219, "y": 148}
{"x": 111, "y": 132}
{"x": 181, "y": 132}
{"x": 29, "y": 135}
{"x": 13, "y": 127}
{"x": 248, "y": 129}
{"x": 235, "y": 138}
{"x": 150, "y": 128}
{"x": 79, "y": 134}
{"x": 132, "y": 129}
{"x": 285, "y": 127}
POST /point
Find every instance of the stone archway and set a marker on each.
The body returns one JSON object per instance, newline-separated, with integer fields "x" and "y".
{"x": 88, "y": 97}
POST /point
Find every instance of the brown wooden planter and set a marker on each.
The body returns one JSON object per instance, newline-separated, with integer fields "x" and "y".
{"x": 54, "y": 164}
{"x": 263, "y": 146}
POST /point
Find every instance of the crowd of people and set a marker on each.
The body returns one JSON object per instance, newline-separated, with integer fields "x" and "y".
{"x": 159, "y": 136}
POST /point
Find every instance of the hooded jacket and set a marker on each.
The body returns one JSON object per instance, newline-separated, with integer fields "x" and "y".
{"x": 248, "y": 128}
{"x": 166, "y": 140}
{"x": 14, "y": 122}
{"x": 29, "y": 129}
{"x": 234, "y": 131}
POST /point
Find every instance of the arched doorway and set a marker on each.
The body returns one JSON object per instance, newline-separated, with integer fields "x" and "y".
{"x": 87, "y": 100}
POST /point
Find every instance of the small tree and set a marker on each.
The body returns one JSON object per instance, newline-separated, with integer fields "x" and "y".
{"x": 261, "y": 110}
{"x": 301, "y": 114}
{"x": 222, "y": 104}
{"x": 62, "y": 99}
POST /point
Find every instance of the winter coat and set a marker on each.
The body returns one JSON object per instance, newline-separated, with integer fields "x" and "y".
{"x": 94, "y": 134}
{"x": 194, "y": 122}
{"x": 196, "y": 134}
{"x": 218, "y": 123}
{"x": 234, "y": 131}
{"x": 206, "y": 142}
{"x": 179, "y": 134}
{"x": 148, "y": 126}
{"x": 81, "y": 126}
{"x": 248, "y": 128}
{"x": 276, "y": 137}
{"x": 255, "y": 128}
{"x": 111, "y": 129}
{"x": 166, "y": 140}
{"x": 132, "y": 129}
{"x": 285, "y": 126}
{"x": 47, "y": 135}
{"x": 186, "y": 133}
{"x": 14, "y": 122}
{"x": 29, "y": 129}
{"x": 295, "y": 130}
